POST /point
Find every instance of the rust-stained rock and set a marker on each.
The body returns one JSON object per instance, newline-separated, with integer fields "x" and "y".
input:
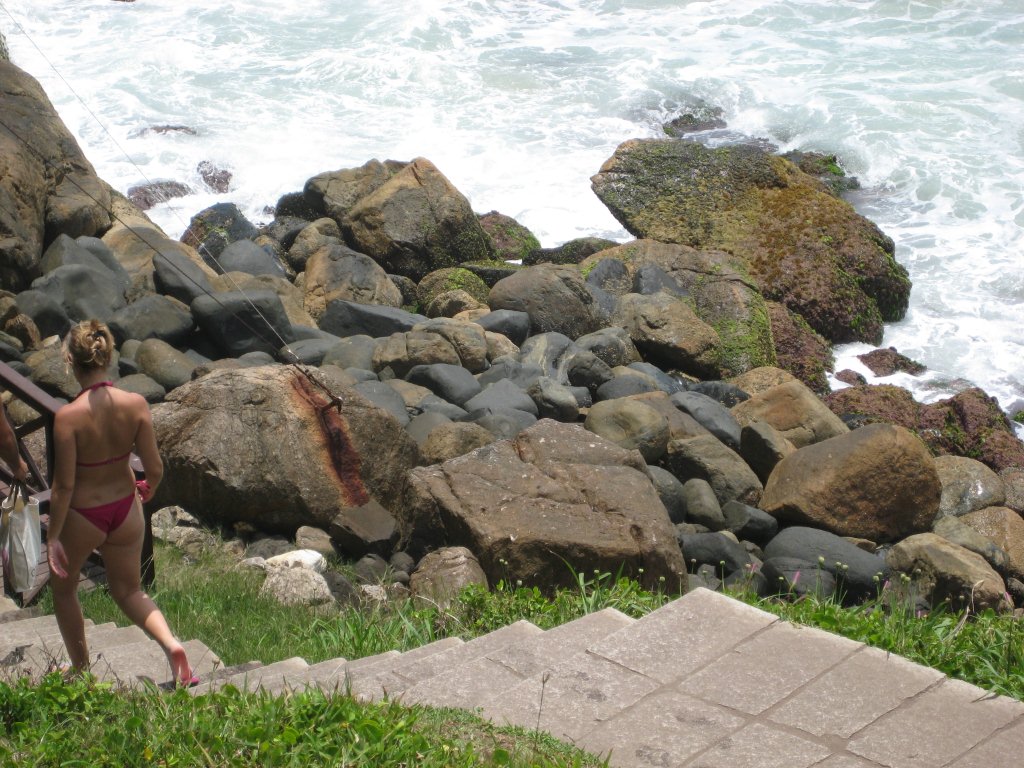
{"x": 877, "y": 482}
{"x": 265, "y": 446}
{"x": 555, "y": 498}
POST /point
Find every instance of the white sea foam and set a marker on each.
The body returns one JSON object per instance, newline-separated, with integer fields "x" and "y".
{"x": 520, "y": 103}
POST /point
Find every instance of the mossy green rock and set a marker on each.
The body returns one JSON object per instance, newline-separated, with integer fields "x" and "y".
{"x": 803, "y": 247}
{"x": 512, "y": 241}
{"x": 721, "y": 293}
{"x": 451, "y": 279}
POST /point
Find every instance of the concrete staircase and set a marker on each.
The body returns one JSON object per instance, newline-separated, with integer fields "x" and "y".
{"x": 704, "y": 682}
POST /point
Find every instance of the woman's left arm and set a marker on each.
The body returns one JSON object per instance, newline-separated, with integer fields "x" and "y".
{"x": 65, "y": 456}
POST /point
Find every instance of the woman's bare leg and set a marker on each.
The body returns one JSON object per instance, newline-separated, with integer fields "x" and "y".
{"x": 122, "y": 553}
{"x": 79, "y": 538}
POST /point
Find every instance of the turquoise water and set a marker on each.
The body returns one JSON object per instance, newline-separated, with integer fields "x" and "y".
{"x": 520, "y": 103}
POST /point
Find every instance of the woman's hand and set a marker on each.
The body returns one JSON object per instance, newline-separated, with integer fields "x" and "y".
{"x": 145, "y": 491}
{"x": 57, "y": 558}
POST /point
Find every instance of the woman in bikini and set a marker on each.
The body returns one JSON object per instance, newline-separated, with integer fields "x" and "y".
{"x": 95, "y": 504}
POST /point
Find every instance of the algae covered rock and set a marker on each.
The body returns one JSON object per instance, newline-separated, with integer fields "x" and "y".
{"x": 805, "y": 247}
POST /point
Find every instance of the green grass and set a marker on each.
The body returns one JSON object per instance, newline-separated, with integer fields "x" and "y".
{"x": 51, "y": 722}
{"x": 82, "y": 723}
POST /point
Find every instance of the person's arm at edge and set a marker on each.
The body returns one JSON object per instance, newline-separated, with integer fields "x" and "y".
{"x": 9, "y": 449}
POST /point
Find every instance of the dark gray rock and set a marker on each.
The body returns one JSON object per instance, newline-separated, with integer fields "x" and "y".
{"x": 715, "y": 549}
{"x": 141, "y": 384}
{"x": 47, "y": 313}
{"x": 87, "y": 252}
{"x": 246, "y": 256}
{"x": 352, "y": 352}
{"x": 523, "y": 374}
{"x": 347, "y": 318}
{"x": 503, "y": 423}
{"x": 859, "y": 574}
{"x": 237, "y": 322}
{"x": 725, "y": 393}
{"x": 360, "y": 531}
{"x": 611, "y": 276}
{"x": 650, "y": 278}
{"x": 711, "y": 415}
{"x": 749, "y": 522}
{"x": 309, "y": 351}
{"x": 176, "y": 275}
{"x": 612, "y": 345}
{"x": 85, "y": 292}
{"x": 550, "y": 352}
{"x": 420, "y": 426}
{"x": 502, "y": 394}
{"x": 211, "y": 230}
{"x": 449, "y": 382}
{"x": 701, "y": 505}
{"x": 585, "y": 369}
{"x": 762, "y": 447}
{"x": 153, "y": 317}
{"x": 510, "y": 323}
{"x": 667, "y": 383}
{"x": 383, "y": 396}
{"x": 797, "y": 577}
{"x": 624, "y": 386}
{"x": 553, "y": 400}
{"x": 670, "y": 491}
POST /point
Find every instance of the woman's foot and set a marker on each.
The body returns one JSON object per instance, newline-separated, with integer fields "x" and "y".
{"x": 180, "y": 668}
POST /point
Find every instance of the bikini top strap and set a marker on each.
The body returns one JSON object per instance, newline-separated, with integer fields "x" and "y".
{"x": 97, "y": 385}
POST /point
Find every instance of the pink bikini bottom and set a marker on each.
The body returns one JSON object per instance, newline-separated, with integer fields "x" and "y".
{"x": 108, "y": 517}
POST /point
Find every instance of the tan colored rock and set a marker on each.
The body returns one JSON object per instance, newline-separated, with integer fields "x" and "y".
{"x": 1004, "y": 527}
{"x": 794, "y": 411}
{"x": 446, "y": 441}
{"x": 669, "y": 333}
{"x": 555, "y": 498}
{"x": 940, "y": 570}
{"x": 442, "y": 574}
{"x": 334, "y": 272}
{"x": 499, "y": 345}
{"x": 705, "y": 457}
{"x": 630, "y": 424}
{"x": 681, "y": 425}
{"x": 758, "y": 380}
{"x": 877, "y": 482}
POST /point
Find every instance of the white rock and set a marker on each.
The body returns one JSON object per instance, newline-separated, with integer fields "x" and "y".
{"x": 299, "y": 558}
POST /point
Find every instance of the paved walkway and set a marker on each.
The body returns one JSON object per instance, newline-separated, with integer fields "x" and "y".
{"x": 703, "y": 682}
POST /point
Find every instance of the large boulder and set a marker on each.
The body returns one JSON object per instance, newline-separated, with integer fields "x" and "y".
{"x": 554, "y": 500}
{"x": 805, "y": 247}
{"x": 267, "y": 446}
{"x": 213, "y": 229}
{"x": 555, "y": 297}
{"x": 721, "y": 292}
{"x": 877, "y": 482}
{"x": 967, "y": 486}
{"x": 336, "y": 272}
{"x": 36, "y": 204}
{"x": 416, "y": 222}
{"x": 799, "y": 349}
{"x": 335, "y": 193}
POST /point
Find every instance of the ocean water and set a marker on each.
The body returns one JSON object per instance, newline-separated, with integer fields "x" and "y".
{"x": 519, "y": 103}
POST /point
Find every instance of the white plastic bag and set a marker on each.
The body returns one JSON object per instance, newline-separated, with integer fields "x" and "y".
{"x": 20, "y": 540}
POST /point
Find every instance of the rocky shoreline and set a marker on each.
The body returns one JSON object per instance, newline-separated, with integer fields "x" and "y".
{"x": 369, "y": 375}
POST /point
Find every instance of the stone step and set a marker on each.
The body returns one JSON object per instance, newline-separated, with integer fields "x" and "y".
{"x": 577, "y": 695}
{"x": 267, "y": 677}
{"x": 49, "y": 653}
{"x": 333, "y": 675}
{"x": 482, "y": 679}
{"x": 135, "y": 664}
{"x": 29, "y": 631}
{"x": 409, "y": 670}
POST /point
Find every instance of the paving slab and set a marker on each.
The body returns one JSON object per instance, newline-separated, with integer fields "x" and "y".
{"x": 859, "y": 690}
{"x": 408, "y": 672}
{"x": 663, "y": 730}
{"x": 489, "y": 676}
{"x": 999, "y": 749}
{"x": 935, "y": 727}
{"x": 572, "y": 698}
{"x": 759, "y": 746}
{"x": 763, "y": 670}
{"x": 684, "y": 635}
